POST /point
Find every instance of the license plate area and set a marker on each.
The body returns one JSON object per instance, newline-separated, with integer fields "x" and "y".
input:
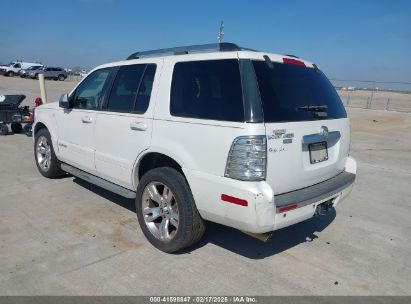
{"x": 318, "y": 152}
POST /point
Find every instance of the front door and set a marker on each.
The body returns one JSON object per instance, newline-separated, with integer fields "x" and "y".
{"x": 76, "y": 126}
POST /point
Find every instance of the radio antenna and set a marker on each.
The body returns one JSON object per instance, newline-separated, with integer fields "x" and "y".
{"x": 221, "y": 33}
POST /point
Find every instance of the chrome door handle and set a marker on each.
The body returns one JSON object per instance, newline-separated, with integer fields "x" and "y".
{"x": 138, "y": 126}
{"x": 87, "y": 119}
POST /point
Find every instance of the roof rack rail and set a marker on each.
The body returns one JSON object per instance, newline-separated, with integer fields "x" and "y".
{"x": 201, "y": 48}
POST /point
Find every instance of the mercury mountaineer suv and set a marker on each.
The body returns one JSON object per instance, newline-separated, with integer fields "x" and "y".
{"x": 248, "y": 139}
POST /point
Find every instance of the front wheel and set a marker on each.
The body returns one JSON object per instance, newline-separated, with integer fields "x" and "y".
{"x": 166, "y": 210}
{"x": 46, "y": 160}
{"x": 61, "y": 78}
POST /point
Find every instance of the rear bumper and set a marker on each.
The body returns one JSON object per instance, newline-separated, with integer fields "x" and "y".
{"x": 263, "y": 212}
{"x": 307, "y": 196}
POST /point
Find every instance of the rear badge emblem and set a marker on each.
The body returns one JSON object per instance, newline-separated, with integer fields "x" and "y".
{"x": 324, "y": 131}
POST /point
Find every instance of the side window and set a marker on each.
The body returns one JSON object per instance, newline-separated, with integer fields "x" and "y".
{"x": 132, "y": 88}
{"x": 207, "y": 90}
{"x": 124, "y": 91}
{"x": 144, "y": 91}
{"x": 17, "y": 65}
{"x": 89, "y": 93}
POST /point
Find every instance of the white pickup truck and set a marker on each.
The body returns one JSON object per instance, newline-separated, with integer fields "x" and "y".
{"x": 252, "y": 140}
{"x": 14, "y": 67}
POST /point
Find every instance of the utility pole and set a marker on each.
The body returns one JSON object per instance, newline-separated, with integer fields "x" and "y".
{"x": 221, "y": 33}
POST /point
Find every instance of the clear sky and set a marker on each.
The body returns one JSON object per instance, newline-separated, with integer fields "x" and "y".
{"x": 347, "y": 39}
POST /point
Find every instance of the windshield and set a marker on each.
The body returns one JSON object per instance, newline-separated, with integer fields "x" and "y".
{"x": 294, "y": 93}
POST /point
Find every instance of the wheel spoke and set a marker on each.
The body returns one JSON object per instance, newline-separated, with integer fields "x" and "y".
{"x": 42, "y": 162}
{"x": 48, "y": 161}
{"x": 151, "y": 214}
{"x": 153, "y": 192}
{"x": 167, "y": 195}
{"x": 174, "y": 218}
{"x": 41, "y": 149}
{"x": 164, "y": 234}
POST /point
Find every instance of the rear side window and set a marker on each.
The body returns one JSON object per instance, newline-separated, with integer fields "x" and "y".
{"x": 207, "y": 90}
{"x": 131, "y": 89}
{"x": 295, "y": 93}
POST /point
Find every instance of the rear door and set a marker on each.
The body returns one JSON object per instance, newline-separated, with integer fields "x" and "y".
{"x": 306, "y": 125}
{"x": 124, "y": 126}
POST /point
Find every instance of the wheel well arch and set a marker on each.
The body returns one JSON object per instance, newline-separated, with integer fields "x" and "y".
{"x": 154, "y": 160}
{"x": 37, "y": 127}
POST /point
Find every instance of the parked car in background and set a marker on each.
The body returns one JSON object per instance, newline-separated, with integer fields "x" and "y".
{"x": 14, "y": 67}
{"x": 49, "y": 73}
{"x": 23, "y": 73}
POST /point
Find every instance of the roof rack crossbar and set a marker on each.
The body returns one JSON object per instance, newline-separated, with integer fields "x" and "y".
{"x": 201, "y": 48}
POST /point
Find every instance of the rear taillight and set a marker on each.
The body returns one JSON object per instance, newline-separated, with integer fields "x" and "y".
{"x": 247, "y": 158}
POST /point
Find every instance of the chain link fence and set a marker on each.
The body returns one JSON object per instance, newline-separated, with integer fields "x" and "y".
{"x": 377, "y": 95}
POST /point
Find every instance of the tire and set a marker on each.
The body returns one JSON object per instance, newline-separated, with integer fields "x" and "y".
{"x": 10, "y": 73}
{"x": 61, "y": 77}
{"x": 46, "y": 160}
{"x": 4, "y": 129}
{"x": 190, "y": 226}
{"x": 36, "y": 76}
{"x": 27, "y": 130}
{"x": 16, "y": 127}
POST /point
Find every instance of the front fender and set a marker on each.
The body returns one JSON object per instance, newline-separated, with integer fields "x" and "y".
{"x": 45, "y": 117}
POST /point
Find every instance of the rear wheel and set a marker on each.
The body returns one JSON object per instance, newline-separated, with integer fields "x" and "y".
{"x": 166, "y": 210}
{"x": 4, "y": 129}
{"x": 46, "y": 160}
{"x": 61, "y": 78}
{"x": 10, "y": 73}
{"x": 16, "y": 127}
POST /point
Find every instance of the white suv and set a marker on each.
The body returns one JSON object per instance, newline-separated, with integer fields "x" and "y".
{"x": 247, "y": 139}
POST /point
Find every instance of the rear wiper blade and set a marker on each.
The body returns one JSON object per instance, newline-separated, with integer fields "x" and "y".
{"x": 309, "y": 108}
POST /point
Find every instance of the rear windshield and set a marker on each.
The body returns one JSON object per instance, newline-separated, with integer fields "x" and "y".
{"x": 295, "y": 93}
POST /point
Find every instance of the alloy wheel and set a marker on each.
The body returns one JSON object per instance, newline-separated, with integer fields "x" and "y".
{"x": 160, "y": 211}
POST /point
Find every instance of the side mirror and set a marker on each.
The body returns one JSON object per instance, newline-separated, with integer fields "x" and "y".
{"x": 64, "y": 102}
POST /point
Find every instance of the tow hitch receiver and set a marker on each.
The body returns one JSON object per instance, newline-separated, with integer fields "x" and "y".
{"x": 323, "y": 208}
